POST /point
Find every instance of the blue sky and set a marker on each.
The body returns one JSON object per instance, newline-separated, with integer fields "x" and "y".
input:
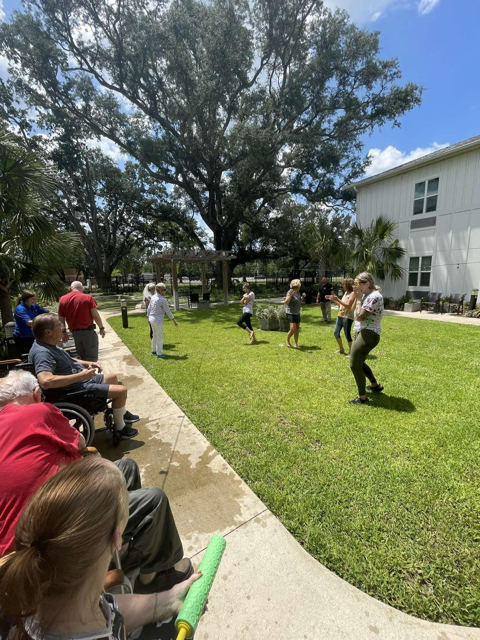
{"x": 438, "y": 46}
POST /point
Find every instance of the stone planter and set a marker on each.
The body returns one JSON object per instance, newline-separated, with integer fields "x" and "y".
{"x": 269, "y": 324}
{"x": 411, "y": 307}
{"x": 284, "y": 325}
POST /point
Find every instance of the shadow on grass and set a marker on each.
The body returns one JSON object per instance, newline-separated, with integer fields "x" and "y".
{"x": 391, "y": 403}
{"x": 370, "y": 357}
{"x": 305, "y": 348}
{"x": 253, "y": 344}
{"x": 185, "y": 357}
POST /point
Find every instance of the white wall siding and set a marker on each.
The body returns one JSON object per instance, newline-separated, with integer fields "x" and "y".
{"x": 454, "y": 242}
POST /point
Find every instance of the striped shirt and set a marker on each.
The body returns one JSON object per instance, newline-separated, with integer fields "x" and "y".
{"x": 157, "y": 309}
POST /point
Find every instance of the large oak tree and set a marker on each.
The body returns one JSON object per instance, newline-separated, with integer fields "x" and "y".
{"x": 233, "y": 103}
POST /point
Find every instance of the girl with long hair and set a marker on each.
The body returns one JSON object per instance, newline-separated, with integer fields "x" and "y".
{"x": 367, "y": 329}
{"x": 52, "y": 585}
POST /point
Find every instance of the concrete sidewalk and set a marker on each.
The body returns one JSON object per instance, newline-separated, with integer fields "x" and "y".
{"x": 267, "y": 584}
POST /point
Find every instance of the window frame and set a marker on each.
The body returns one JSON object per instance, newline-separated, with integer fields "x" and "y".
{"x": 425, "y": 196}
{"x": 420, "y": 271}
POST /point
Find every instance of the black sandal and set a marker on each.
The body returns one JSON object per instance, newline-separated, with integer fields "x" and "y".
{"x": 378, "y": 389}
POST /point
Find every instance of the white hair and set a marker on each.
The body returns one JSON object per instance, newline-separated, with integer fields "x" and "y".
{"x": 76, "y": 285}
{"x": 148, "y": 288}
{"x": 15, "y": 385}
{"x": 160, "y": 286}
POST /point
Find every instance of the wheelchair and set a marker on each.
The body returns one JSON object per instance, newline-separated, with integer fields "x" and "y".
{"x": 79, "y": 407}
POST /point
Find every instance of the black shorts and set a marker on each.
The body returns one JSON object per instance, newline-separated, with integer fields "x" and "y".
{"x": 293, "y": 318}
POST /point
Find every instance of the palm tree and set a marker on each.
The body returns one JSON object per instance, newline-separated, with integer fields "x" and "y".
{"x": 324, "y": 234}
{"x": 377, "y": 250}
{"x": 31, "y": 250}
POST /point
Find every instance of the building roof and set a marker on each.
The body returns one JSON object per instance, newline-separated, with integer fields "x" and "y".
{"x": 441, "y": 154}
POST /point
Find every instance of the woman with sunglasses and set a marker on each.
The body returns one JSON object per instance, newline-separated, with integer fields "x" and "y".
{"x": 367, "y": 329}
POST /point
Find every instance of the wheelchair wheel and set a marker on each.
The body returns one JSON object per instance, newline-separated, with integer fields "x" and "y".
{"x": 80, "y": 420}
{"x": 110, "y": 426}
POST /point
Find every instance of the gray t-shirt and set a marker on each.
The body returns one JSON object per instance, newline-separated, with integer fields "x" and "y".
{"x": 48, "y": 357}
{"x": 295, "y": 302}
{"x": 114, "y": 629}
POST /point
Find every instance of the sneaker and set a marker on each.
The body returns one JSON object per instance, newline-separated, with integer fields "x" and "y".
{"x": 127, "y": 432}
{"x": 130, "y": 417}
{"x": 163, "y": 356}
{"x": 378, "y": 389}
{"x": 167, "y": 579}
{"x": 360, "y": 401}
{"x": 153, "y": 353}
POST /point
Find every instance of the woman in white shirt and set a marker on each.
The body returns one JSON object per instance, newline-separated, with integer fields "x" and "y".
{"x": 245, "y": 320}
{"x": 157, "y": 309}
{"x": 367, "y": 328}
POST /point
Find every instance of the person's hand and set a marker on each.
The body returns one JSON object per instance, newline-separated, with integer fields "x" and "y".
{"x": 102, "y": 332}
{"x": 304, "y": 295}
{"x": 96, "y": 365}
{"x": 87, "y": 374}
{"x": 64, "y": 337}
{"x": 175, "y": 323}
{"x": 179, "y": 591}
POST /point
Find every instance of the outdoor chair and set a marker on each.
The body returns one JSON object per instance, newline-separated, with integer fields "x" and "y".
{"x": 193, "y": 298}
{"x": 455, "y": 300}
{"x": 206, "y": 297}
{"x": 433, "y": 301}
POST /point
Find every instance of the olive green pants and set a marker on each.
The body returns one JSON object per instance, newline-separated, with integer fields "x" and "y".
{"x": 364, "y": 342}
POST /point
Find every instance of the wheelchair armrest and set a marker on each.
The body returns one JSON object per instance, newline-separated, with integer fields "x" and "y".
{"x": 14, "y": 361}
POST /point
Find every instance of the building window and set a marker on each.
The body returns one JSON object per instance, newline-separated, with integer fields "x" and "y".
{"x": 419, "y": 271}
{"x": 425, "y": 197}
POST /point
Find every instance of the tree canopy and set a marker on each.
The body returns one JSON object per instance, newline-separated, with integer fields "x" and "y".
{"x": 233, "y": 104}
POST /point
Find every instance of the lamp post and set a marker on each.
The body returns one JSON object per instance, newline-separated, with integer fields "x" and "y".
{"x": 124, "y": 307}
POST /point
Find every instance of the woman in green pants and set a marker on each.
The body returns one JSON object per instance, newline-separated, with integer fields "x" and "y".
{"x": 368, "y": 320}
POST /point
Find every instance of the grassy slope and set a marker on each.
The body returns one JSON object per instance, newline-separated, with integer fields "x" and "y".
{"x": 386, "y": 495}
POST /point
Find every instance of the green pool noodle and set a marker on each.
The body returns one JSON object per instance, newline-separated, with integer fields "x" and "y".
{"x": 197, "y": 595}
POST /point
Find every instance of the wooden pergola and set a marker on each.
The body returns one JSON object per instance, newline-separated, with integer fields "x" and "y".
{"x": 197, "y": 256}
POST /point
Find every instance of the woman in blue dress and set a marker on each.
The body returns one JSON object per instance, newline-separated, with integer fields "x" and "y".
{"x": 26, "y": 311}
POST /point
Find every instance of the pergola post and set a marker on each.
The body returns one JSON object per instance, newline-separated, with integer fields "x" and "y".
{"x": 225, "y": 281}
{"x": 204, "y": 277}
{"x": 157, "y": 271}
{"x": 176, "y": 301}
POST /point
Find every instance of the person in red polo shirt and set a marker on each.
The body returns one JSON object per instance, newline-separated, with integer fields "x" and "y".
{"x": 79, "y": 310}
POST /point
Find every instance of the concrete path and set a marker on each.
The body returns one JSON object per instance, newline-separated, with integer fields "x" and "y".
{"x": 267, "y": 585}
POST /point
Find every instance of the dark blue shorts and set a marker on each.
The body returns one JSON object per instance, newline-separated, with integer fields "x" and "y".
{"x": 96, "y": 384}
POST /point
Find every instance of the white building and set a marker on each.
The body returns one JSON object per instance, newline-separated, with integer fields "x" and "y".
{"x": 435, "y": 201}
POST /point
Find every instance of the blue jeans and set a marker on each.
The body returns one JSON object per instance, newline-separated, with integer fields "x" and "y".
{"x": 346, "y": 325}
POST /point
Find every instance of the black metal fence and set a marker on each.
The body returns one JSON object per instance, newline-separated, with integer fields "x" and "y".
{"x": 268, "y": 284}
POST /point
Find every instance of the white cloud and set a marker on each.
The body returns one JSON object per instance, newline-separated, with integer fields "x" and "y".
{"x": 392, "y": 157}
{"x": 109, "y": 148}
{"x": 363, "y": 11}
{"x": 425, "y": 6}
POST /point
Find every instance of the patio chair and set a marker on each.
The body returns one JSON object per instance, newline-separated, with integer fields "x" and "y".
{"x": 455, "y": 300}
{"x": 433, "y": 300}
{"x": 206, "y": 297}
{"x": 193, "y": 298}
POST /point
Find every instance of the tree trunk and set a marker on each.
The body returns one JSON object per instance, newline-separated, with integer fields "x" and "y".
{"x": 6, "y": 310}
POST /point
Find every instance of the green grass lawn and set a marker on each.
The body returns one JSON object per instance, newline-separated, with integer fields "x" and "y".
{"x": 385, "y": 495}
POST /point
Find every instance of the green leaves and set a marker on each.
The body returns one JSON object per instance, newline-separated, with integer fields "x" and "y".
{"x": 234, "y": 106}
{"x": 377, "y": 250}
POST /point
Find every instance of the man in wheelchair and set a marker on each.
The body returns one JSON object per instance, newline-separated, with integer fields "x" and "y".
{"x": 59, "y": 374}
{"x": 36, "y": 441}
